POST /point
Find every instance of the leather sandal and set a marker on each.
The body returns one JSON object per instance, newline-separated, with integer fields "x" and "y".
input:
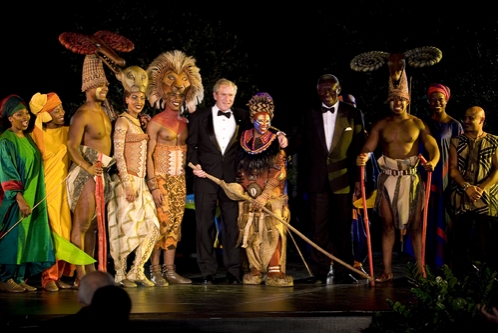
{"x": 384, "y": 277}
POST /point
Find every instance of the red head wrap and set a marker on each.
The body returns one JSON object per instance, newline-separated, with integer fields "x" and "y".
{"x": 437, "y": 87}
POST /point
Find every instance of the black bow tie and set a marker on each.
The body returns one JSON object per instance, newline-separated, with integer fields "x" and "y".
{"x": 227, "y": 114}
{"x": 325, "y": 109}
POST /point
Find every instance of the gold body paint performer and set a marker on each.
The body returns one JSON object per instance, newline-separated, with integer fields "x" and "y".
{"x": 174, "y": 80}
{"x": 132, "y": 222}
{"x": 262, "y": 173}
{"x": 89, "y": 145}
{"x": 400, "y": 198}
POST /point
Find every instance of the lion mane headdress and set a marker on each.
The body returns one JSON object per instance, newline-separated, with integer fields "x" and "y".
{"x": 178, "y": 62}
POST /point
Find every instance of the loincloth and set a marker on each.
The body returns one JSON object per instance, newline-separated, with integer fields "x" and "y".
{"x": 171, "y": 213}
{"x": 400, "y": 184}
{"x": 77, "y": 176}
{"x": 260, "y": 232}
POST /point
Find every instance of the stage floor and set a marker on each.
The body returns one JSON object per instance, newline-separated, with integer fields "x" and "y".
{"x": 306, "y": 307}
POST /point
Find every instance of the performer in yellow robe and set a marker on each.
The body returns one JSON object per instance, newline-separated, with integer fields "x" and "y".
{"x": 51, "y": 135}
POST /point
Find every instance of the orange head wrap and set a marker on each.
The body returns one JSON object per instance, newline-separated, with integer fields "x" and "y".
{"x": 42, "y": 104}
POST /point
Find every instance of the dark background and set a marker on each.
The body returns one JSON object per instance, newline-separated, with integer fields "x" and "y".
{"x": 278, "y": 48}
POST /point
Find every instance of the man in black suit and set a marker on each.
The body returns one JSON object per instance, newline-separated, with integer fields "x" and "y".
{"x": 213, "y": 147}
{"x": 213, "y": 144}
{"x": 332, "y": 137}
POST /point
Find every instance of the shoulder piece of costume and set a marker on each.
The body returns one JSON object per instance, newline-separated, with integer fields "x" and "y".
{"x": 177, "y": 62}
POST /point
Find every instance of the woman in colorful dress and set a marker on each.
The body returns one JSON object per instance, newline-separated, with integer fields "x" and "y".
{"x": 26, "y": 246}
{"x": 133, "y": 225}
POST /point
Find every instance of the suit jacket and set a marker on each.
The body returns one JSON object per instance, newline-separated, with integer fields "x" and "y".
{"x": 337, "y": 167}
{"x": 203, "y": 148}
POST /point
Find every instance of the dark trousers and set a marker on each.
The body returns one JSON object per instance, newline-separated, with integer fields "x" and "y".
{"x": 206, "y": 205}
{"x": 331, "y": 230}
{"x": 474, "y": 238}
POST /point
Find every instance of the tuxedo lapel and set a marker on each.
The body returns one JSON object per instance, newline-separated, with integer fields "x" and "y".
{"x": 319, "y": 126}
{"x": 210, "y": 130}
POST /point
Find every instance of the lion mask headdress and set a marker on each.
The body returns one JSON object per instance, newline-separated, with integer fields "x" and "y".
{"x": 161, "y": 82}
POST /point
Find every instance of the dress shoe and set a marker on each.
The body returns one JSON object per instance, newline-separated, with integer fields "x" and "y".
{"x": 51, "y": 286}
{"x": 208, "y": 279}
{"x": 63, "y": 285}
{"x": 27, "y": 287}
{"x": 319, "y": 279}
{"x": 232, "y": 279}
{"x": 345, "y": 279}
{"x": 11, "y": 286}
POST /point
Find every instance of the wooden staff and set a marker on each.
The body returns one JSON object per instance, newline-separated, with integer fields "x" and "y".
{"x": 425, "y": 217}
{"x": 100, "y": 204}
{"x": 236, "y": 192}
{"x": 366, "y": 222}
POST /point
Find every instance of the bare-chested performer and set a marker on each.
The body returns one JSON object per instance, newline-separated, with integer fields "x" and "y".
{"x": 174, "y": 81}
{"x": 400, "y": 197}
{"x": 89, "y": 145}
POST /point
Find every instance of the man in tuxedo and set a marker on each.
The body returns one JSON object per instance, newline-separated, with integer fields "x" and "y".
{"x": 213, "y": 147}
{"x": 330, "y": 140}
{"x": 213, "y": 144}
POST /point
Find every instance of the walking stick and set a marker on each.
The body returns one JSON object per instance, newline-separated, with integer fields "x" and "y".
{"x": 100, "y": 203}
{"x": 36, "y": 205}
{"x": 235, "y": 192}
{"x": 425, "y": 216}
{"x": 301, "y": 255}
{"x": 366, "y": 222}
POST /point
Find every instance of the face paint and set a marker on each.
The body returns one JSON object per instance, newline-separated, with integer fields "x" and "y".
{"x": 261, "y": 122}
{"x": 101, "y": 92}
{"x": 174, "y": 101}
{"x": 136, "y": 102}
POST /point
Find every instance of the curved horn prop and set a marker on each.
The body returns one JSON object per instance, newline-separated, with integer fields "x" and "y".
{"x": 103, "y": 44}
{"x": 369, "y": 61}
{"x": 423, "y": 56}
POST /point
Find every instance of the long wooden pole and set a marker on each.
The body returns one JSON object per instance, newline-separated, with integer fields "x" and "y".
{"x": 425, "y": 217}
{"x": 366, "y": 222}
{"x": 233, "y": 194}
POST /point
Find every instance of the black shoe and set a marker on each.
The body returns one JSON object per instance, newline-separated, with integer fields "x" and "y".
{"x": 320, "y": 279}
{"x": 232, "y": 279}
{"x": 208, "y": 279}
{"x": 345, "y": 279}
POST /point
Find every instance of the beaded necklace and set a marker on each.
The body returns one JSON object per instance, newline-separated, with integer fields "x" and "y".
{"x": 266, "y": 140}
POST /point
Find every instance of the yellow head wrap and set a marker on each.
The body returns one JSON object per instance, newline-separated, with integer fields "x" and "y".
{"x": 42, "y": 104}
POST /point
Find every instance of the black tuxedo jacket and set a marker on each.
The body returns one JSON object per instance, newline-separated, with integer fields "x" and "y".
{"x": 335, "y": 168}
{"x": 203, "y": 148}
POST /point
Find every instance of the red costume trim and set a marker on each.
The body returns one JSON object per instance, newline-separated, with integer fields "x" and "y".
{"x": 100, "y": 205}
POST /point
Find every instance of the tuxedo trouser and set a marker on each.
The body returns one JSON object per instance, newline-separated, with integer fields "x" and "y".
{"x": 206, "y": 204}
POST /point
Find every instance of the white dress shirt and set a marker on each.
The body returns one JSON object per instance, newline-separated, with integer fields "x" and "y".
{"x": 329, "y": 120}
{"x": 224, "y": 128}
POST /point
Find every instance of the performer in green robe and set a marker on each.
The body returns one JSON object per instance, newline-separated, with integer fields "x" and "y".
{"x": 26, "y": 246}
